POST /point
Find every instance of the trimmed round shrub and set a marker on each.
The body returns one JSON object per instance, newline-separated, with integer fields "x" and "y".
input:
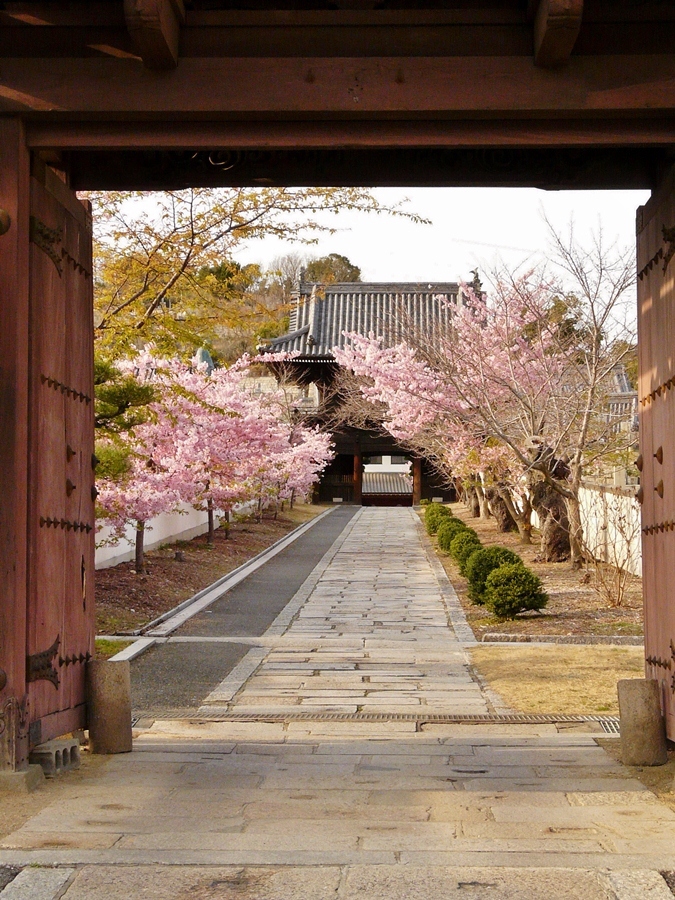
{"x": 447, "y": 530}
{"x": 434, "y": 514}
{"x": 462, "y": 546}
{"x": 481, "y": 563}
{"x": 512, "y": 589}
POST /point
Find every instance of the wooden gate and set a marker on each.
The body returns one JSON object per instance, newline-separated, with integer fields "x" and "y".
{"x": 60, "y": 599}
{"x": 656, "y": 330}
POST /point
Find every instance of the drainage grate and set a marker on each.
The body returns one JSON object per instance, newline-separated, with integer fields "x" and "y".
{"x": 610, "y": 724}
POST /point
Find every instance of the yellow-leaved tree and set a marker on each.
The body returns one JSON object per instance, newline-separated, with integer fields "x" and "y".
{"x": 164, "y": 261}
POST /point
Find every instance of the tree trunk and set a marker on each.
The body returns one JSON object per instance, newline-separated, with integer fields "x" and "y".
{"x": 553, "y": 522}
{"x": 483, "y": 503}
{"x": 472, "y": 502}
{"x": 522, "y": 519}
{"x": 292, "y": 498}
{"x": 504, "y": 519}
{"x": 227, "y": 524}
{"x": 140, "y": 552}
{"x": 576, "y": 532}
{"x": 212, "y": 530}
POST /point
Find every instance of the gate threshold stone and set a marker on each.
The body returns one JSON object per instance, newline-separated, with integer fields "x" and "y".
{"x": 341, "y": 883}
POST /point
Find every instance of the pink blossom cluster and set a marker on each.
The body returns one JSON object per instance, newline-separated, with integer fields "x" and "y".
{"x": 210, "y": 442}
{"x": 477, "y": 392}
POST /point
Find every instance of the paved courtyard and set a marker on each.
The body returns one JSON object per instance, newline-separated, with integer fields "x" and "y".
{"x": 327, "y": 782}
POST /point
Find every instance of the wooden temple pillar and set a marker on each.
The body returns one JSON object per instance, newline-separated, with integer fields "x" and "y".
{"x": 417, "y": 480}
{"x": 358, "y": 475}
{"x": 14, "y": 450}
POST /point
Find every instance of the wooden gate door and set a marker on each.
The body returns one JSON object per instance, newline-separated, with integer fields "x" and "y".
{"x": 60, "y": 620}
{"x": 656, "y": 332}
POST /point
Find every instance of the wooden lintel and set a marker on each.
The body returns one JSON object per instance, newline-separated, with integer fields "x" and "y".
{"x": 54, "y": 137}
{"x": 556, "y": 28}
{"x": 501, "y": 87}
{"x": 154, "y": 26}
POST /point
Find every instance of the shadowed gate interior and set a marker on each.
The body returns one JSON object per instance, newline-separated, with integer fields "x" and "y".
{"x": 164, "y": 94}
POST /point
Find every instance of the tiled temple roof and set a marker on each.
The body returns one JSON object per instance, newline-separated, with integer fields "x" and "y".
{"x": 387, "y": 483}
{"x": 321, "y": 315}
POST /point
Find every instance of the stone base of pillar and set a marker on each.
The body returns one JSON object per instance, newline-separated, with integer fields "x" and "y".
{"x": 109, "y": 706}
{"x": 22, "y": 782}
{"x": 643, "y": 733}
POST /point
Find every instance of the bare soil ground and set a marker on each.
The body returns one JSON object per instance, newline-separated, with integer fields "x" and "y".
{"x": 658, "y": 779}
{"x": 558, "y": 678}
{"x": 17, "y": 808}
{"x": 574, "y": 607}
{"x": 126, "y": 601}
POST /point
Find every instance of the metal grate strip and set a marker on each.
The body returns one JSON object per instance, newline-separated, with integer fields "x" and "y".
{"x": 610, "y": 724}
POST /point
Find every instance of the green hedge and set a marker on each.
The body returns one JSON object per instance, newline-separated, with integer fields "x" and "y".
{"x": 512, "y": 589}
{"x": 481, "y": 563}
{"x": 447, "y": 530}
{"x": 462, "y": 546}
{"x": 434, "y": 514}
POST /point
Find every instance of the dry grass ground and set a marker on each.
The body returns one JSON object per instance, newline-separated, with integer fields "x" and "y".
{"x": 574, "y": 608}
{"x": 125, "y": 601}
{"x": 558, "y": 678}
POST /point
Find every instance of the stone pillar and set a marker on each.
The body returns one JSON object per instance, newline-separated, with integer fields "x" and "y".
{"x": 417, "y": 480}
{"x": 109, "y": 706}
{"x": 643, "y": 734}
{"x": 14, "y": 471}
{"x": 358, "y": 475}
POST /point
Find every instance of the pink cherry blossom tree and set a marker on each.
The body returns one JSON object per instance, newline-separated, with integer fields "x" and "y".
{"x": 209, "y": 442}
{"x": 516, "y": 385}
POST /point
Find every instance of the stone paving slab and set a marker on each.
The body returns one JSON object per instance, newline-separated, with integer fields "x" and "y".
{"x": 314, "y": 808}
{"x": 398, "y": 610}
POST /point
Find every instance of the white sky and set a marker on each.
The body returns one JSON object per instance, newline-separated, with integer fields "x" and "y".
{"x": 470, "y": 227}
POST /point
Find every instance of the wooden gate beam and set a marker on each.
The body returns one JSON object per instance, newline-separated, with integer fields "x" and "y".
{"x": 154, "y": 26}
{"x": 14, "y": 365}
{"x": 556, "y": 28}
{"x": 348, "y": 87}
{"x": 355, "y": 134}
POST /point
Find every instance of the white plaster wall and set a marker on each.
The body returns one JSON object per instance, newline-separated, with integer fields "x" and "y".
{"x": 387, "y": 466}
{"x": 161, "y": 530}
{"x": 611, "y": 521}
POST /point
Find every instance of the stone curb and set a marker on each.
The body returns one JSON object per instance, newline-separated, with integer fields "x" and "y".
{"x": 613, "y": 639}
{"x": 35, "y": 883}
{"x": 134, "y": 650}
{"x": 637, "y": 884}
{"x": 454, "y": 609}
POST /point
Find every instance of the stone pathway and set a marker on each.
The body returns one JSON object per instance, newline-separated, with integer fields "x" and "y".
{"x": 308, "y": 808}
{"x": 373, "y": 635}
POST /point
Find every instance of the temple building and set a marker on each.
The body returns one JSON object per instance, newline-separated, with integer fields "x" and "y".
{"x": 370, "y": 467}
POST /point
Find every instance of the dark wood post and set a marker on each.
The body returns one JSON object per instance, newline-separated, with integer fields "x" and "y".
{"x": 417, "y": 480}
{"x": 14, "y": 366}
{"x": 358, "y": 475}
